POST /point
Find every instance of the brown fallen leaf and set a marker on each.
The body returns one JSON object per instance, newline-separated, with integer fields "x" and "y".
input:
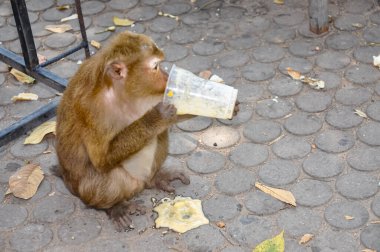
{"x": 39, "y": 133}
{"x": 348, "y": 217}
{"x": 63, "y": 7}
{"x": 220, "y": 224}
{"x": 360, "y": 113}
{"x": 206, "y": 74}
{"x": 280, "y": 194}
{"x": 95, "y": 44}
{"x": 294, "y": 74}
{"x": 314, "y": 83}
{"x": 21, "y": 77}
{"x": 25, "y": 97}
{"x": 46, "y": 152}
{"x": 368, "y": 250}
{"x": 375, "y": 222}
{"x": 24, "y": 183}
{"x": 305, "y": 238}
{"x": 59, "y": 28}
{"x": 122, "y": 22}
{"x": 72, "y": 17}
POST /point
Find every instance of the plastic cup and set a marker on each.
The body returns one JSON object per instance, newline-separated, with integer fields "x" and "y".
{"x": 196, "y": 96}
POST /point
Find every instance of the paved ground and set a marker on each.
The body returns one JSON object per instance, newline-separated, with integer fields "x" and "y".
{"x": 287, "y": 135}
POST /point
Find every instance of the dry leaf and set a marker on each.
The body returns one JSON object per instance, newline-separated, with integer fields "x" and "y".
{"x": 278, "y": 1}
{"x": 41, "y": 58}
{"x": 348, "y": 217}
{"x": 25, "y": 97}
{"x": 221, "y": 224}
{"x": 59, "y": 28}
{"x": 63, "y": 7}
{"x": 376, "y": 61}
{"x": 122, "y": 22}
{"x": 375, "y": 222}
{"x": 216, "y": 78}
{"x": 368, "y": 250}
{"x": 305, "y": 238}
{"x": 276, "y": 244}
{"x": 46, "y": 152}
{"x": 110, "y": 28}
{"x": 279, "y": 194}
{"x": 58, "y": 94}
{"x": 180, "y": 214}
{"x": 38, "y": 133}
{"x": 294, "y": 74}
{"x": 21, "y": 77}
{"x": 357, "y": 25}
{"x": 360, "y": 113}
{"x": 168, "y": 15}
{"x": 24, "y": 183}
{"x": 72, "y": 17}
{"x": 314, "y": 83}
{"x": 95, "y": 44}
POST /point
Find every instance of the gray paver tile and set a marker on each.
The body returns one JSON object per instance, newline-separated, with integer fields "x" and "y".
{"x": 234, "y": 181}
{"x": 262, "y": 131}
{"x": 31, "y": 237}
{"x": 370, "y": 237}
{"x": 335, "y": 141}
{"x": 323, "y": 165}
{"x": 336, "y": 213}
{"x": 274, "y": 108}
{"x": 79, "y": 229}
{"x": 243, "y": 154}
{"x": 303, "y": 124}
{"x": 312, "y": 193}
{"x": 357, "y": 185}
{"x": 12, "y": 215}
{"x": 206, "y": 161}
{"x": 279, "y": 172}
{"x": 221, "y": 208}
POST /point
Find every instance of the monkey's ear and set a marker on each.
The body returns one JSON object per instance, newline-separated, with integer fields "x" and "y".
{"x": 117, "y": 70}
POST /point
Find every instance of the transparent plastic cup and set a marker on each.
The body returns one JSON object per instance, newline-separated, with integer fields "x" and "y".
{"x": 196, "y": 96}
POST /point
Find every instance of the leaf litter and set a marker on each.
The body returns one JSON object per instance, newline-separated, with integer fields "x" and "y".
{"x": 314, "y": 83}
{"x": 280, "y": 194}
{"x": 25, "y": 97}
{"x": 305, "y": 238}
{"x": 40, "y": 132}
{"x": 24, "y": 183}
{"x": 275, "y": 244}
{"x": 21, "y": 77}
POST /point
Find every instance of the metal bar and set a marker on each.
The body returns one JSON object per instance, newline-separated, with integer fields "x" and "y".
{"x": 30, "y": 121}
{"x": 82, "y": 27}
{"x": 64, "y": 54}
{"x": 25, "y": 34}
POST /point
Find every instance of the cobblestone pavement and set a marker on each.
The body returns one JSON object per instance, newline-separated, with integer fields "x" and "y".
{"x": 287, "y": 134}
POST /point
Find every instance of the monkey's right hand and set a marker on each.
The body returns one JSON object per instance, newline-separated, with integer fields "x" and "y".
{"x": 167, "y": 112}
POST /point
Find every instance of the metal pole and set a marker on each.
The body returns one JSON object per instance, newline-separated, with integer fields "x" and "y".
{"x": 82, "y": 28}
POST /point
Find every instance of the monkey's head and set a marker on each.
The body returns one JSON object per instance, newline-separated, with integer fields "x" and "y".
{"x": 133, "y": 60}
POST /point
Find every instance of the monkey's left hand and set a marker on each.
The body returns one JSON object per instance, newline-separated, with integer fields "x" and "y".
{"x": 163, "y": 178}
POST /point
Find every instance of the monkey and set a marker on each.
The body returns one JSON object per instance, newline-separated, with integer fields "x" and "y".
{"x": 112, "y": 127}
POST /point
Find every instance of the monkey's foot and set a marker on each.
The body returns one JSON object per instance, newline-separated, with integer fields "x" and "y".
{"x": 119, "y": 214}
{"x": 163, "y": 178}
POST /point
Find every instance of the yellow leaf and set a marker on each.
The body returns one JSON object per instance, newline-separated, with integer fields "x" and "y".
{"x": 305, "y": 238}
{"x": 24, "y": 183}
{"x": 72, "y": 17}
{"x": 278, "y": 1}
{"x": 122, "y": 22}
{"x": 25, "y": 97}
{"x": 360, "y": 113}
{"x": 21, "y": 77}
{"x": 276, "y": 244}
{"x": 95, "y": 44}
{"x": 347, "y": 217}
{"x": 38, "y": 133}
{"x": 180, "y": 214}
{"x": 59, "y": 28}
{"x": 279, "y": 194}
{"x": 170, "y": 93}
{"x": 63, "y": 7}
{"x": 294, "y": 74}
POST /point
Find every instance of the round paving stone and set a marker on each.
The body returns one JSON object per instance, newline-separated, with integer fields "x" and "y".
{"x": 31, "y": 238}
{"x": 299, "y": 221}
{"x": 195, "y": 124}
{"x": 342, "y": 41}
{"x": 323, "y": 165}
{"x": 285, "y": 86}
{"x": 87, "y": 22}
{"x": 6, "y": 9}
{"x": 175, "y": 52}
{"x": 336, "y": 213}
{"x": 350, "y": 22}
{"x": 255, "y": 25}
{"x": 332, "y": 80}
{"x": 65, "y": 69}
{"x": 204, "y": 238}
{"x": 163, "y": 24}
{"x": 248, "y": 92}
{"x": 208, "y": 47}
{"x": 221, "y": 207}
{"x": 8, "y": 33}
{"x": 206, "y": 161}
{"x": 372, "y": 35}
{"x": 279, "y": 35}
{"x": 357, "y": 185}
{"x": 291, "y": 147}
{"x": 220, "y": 30}
{"x": 243, "y": 116}
{"x": 106, "y": 19}
{"x": 232, "y": 12}
{"x": 199, "y": 187}
{"x": 298, "y": 64}
{"x": 262, "y": 204}
{"x": 7, "y": 169}
{"x": 12, "y": 215}
{"x": 176, "y": 8}
{"x": 370, "y": 237}
{"x": 305, "y": 48}
{"x": 19, "y": 149}
{"x": 313, "y": 101}
{"x": 144, "y": 13}
{"x": 39, "y": 5}
{"x": 220, "y": 137}
{"x": 248, "y": 154}
{"x": 335, "y": 141}
{"x": 53, "y": 208}
{"x": 196, "y": 18}
{"x": 249, "y": 230}
{"x": 312, "y": 193}
{"x": 289, "y": 18}
{"x": 233, "y": 59}
{"x": 55, "y": 15}
{"x": 353, "y": 96}
{"x": 245, "y": 41}
{"x": 33, "y": 17}
{"x": 303, "y": 124}
{"x": 332, "y": 60}
{"x": 181, "y": 143}
{"x": 358, "y": 7}
{"x": 377, "y": 88}
{"x": 370, "y": 133}
{"x": 262, "y": 131}
{"x": 195, "y": 63}
{"x": 343, "y": 117}
{"x": 232, "y": 249}
{"x": 39, "y": 30}
{"x": 60, "y": 40}
{"x": 376, "y": 206}
{"x": 269, "y": 53}
{"x": 279, "y": 172}
{"x": 362, "y": 74}
{"x": 79, "y": 230}
{"x": 258, "y": 71}
{"x": 364, "y": 158}
{"x": 105, "y": 245}
{"x": 92, "y": 7}
{"x": 121, "y": 4}
{"x": 375, "y": 17}
{"x": 373, "y": 111}
{"x": 274, "y": 108}
{"x": 334, "y": 241}
{"x": 234, "y": 181}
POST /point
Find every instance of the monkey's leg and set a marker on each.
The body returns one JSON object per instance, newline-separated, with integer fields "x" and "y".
{"x": 119, "y": 214}
{"x": 162, "y": 180}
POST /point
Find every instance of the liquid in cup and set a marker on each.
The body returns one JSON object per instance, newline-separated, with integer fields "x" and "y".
{"x": 196, "y": 96}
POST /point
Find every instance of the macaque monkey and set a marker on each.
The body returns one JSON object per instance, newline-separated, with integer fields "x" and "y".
{"x": 112, "y": 127}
